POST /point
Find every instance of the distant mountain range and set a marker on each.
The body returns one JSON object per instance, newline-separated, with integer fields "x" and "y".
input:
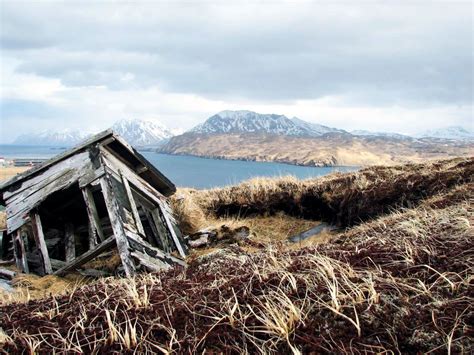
{"x": 269, "y": 137}
{"x": 247, "y": 135}
{"x": 452, "y": 132}
{"x": 48, "y": 138}
{"x": 142, "y": 133}
{"x": 138, "y": 133}
{"x": 252, "y": 122}
{"x": 380, "y": 134}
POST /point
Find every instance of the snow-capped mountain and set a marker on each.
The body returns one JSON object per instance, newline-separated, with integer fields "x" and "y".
{"x": 361, "y": 132}
{"x": 252, "y": 122}
{"x": 141, "y": 133}
{"x": 138, "y": 133}
{"x": 451, "y": 132}
{"x": 47, "y": 138}
{"x": 314, "y": 128}
{"x": 249, "y": 122}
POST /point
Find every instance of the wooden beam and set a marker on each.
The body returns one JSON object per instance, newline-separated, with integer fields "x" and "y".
{"x": 152, "y": 264}
{"x": 138, "y": 244}
{"x": 116, "y": 222}
{"x": 133, "y": 205}
{"x": 21, "y": 202}
{"x": 40, "y": 242}
{"x": 58, "y": 264}
{"x": 87, "y": 256}
{"x": 16, "y": 250}
{"x": 161, "y": 228}
{"x": 7, "y": 274}
{"x": 115, "y": 165}
{"x": 171, "y": 229}
{"x": 95, "y": 227}
{"x": 157, "y": 234}
{"x": 70, "y": 242}
{"x": 19, "y": 251}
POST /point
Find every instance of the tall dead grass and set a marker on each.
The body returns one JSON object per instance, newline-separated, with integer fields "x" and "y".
{"x": 343, "y": 199}
{"x": 399, "y": 284}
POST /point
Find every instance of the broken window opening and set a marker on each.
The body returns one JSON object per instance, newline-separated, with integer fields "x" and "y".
{"x": 153, "y": 222}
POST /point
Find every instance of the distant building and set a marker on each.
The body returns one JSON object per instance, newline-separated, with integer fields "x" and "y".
{"x": 29, "y": 162}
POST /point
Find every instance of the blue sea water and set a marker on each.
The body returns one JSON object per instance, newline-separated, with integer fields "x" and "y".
{"x": 188, "y": 171}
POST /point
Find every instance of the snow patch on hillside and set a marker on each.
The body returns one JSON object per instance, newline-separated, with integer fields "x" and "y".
{"x": 140, "y": 132}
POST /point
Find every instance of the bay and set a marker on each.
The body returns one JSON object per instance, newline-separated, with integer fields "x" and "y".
{"x": 189, "y": 171}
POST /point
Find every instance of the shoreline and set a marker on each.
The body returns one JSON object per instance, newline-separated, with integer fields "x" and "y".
{"x": 217, "y": 157}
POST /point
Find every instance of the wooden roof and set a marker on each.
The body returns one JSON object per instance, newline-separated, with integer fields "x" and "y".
{"x": 119, "y": 146}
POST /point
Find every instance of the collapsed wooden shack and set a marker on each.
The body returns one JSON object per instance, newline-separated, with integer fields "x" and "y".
{"x": 100, "y": 195}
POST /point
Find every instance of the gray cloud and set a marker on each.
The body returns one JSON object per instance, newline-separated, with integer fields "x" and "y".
{"x": 377, "y": 53}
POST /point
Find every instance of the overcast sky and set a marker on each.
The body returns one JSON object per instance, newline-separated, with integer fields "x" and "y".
{"x": 398, "y": 66}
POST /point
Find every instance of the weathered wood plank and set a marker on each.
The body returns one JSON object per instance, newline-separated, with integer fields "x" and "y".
{"x": 70, "y": 242}
{"x": 27, "y": 187}
{"x": 152, "y": 264}
{"x": 19, "y": 251}
{"x": 7, "y": 274}
{"x": 94, "y": 220}
{"x": 37, "y": 182}
{"x": 16, "y": 251}
{"x": 133, "y": 205}
{"x": 137, "y": 243}
{"x": 94, "y": 273}
{"x": 7, "y": 262}
{"x": 118, "y": 168}
{"x": 163, "y": 233}
{"x": 155, "y": 238}
{"x": 35, "y": 190}
{"x": 58, "y": 264}
{"x": 90, "y": 176}
{"x": 167, "y": 217}
{"x": 113, "y": 210}
{"x": 88, "y": 255}
{"x": 30, "y": 174}
{"x": 167, "y": 187}
{"x": 40, "y": 242}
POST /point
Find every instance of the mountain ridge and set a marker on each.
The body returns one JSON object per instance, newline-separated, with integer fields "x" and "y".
{"x": 244, "y": 121}
{"x": 137, "y": 132}
{"x": 247, "y": 135}
{"x": 152, "y": 134}
{"x": 141, "y": 133}
{"x": 48, "y": 138}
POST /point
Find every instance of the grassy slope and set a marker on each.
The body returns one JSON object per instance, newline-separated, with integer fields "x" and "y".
{"x": 400, "y": 282}
{"x": 328, "y": 150}
{"x": 344, "y": 199}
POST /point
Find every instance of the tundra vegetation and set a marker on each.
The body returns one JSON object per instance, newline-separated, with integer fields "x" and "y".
{"x": 396, "y": 277}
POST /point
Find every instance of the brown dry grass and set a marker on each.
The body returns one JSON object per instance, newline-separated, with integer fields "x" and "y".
{"x": 32, "y": 287}
{"x": 344, "y": 199}
{"x": 398, "y": 284}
